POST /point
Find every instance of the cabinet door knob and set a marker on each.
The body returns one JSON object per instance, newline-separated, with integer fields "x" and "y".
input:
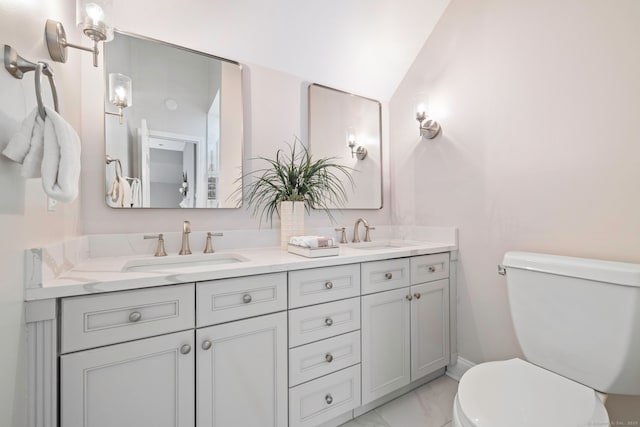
{"x": 328, "y": 321}
{"x": 328, "y": 285}
{"x": 206, "y": 345}
{"x": 185, "y": 349}
{"x": 328, "y": 398}
{"x": 417, "y": 295}
{"x": 246, "y": 298}
{"x": 135, "y": 316}
{"x": 388, "y": 276}
{"x": 328, "y": 357}
{"x": 432, "y": 269}
{"x": 409, "y": 297}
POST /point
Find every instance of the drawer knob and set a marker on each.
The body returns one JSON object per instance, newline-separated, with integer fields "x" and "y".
{"x": 417, "y": 295}
{"x": 135, "y": 316}
{"x": 185, "y": 349}
{"x": 432, "y": 269}
{"x": 328, "y": 321}
{"x": 409, "y": 297}
{"x": 328, "y": 398}
{"x": 246, "y": 298}
{"x": 329, "y": 285}
{"x": 388, "y": 276}
{"x": 328, "y": 357}
{"x": 206, "y": 345}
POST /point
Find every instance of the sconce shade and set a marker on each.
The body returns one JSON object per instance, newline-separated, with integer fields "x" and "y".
{"x": 360, "y": 152}
{"x": 429, "y": 128}
{"x": 351, "y": 137}
{"x": 120, "y": 93}
{"x": 93, "y": 18}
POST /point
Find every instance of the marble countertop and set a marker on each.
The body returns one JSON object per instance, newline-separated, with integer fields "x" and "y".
{"x": 105, "y": 274}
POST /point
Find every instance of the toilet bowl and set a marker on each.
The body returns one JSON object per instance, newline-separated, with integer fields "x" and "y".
{"x": 577, "y": 323}
{"x": 514, "y": 393}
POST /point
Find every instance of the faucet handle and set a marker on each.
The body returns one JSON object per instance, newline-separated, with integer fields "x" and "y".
{"x": 208, "y": 248}
{"x": 367, "y": 235}
{"x": 160, "y": 251}
{"x": 186, "y": 227}
{"x": 343, "y": 234}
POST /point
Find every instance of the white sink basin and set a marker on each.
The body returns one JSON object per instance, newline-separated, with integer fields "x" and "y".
{"x": 374, "y": 246}
{"x": 184, "y": 262}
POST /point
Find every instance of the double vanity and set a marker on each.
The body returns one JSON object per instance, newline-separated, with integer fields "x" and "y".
{"x": 246, "y": 337}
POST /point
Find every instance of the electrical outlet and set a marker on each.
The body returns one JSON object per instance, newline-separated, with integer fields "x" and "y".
{"x": 52, "y": 204}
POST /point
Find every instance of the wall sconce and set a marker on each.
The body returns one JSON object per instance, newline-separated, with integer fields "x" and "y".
{"x": 91, "y": 16}
{"x": 429, "y": 128}
{"x": 120, "y": 93}
{"x": 360, "y": 152}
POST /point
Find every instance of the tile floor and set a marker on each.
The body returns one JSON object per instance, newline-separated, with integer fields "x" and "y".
{"x": 428, "y": 406}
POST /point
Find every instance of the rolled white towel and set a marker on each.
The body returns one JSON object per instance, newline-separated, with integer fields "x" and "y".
{"x": 312, "y": 241}
{"x": 51, "y": 149}
{"x": 61, "y": 158}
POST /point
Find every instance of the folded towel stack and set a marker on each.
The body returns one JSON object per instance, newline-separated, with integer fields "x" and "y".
{"x": 312, "y": 241}
{"x": 50, "y": 149}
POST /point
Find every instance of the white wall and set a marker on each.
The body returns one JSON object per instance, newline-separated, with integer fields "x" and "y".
{"x": 539, "y": 103}
{"x": 24, "y": 220}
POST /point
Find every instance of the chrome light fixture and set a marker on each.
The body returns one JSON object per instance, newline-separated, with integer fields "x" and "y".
{"x": 429, "y": 128}
{"x": 120, "y": 93}
{"x": 360, "y": 152}
{"x": 92, "y": 17}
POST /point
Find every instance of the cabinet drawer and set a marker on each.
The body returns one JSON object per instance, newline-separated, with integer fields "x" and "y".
{"x": 323, "y": 321}
{"x": 318, "y": 285}
{"x": 320, "y": 400}
{"x": 219, "y": 301}
{"x": 380, "y": 276}
{"x": 323, "y": 357}
{"x": 97, "y": 320}
{"x": 426, "y": 268}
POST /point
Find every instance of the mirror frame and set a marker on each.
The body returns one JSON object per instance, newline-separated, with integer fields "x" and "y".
{"x": 176, "y": 46}
{"x": 309, "y": 118}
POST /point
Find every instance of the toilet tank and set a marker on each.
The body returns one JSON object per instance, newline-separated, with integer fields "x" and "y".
{"x": 578, "y": 317}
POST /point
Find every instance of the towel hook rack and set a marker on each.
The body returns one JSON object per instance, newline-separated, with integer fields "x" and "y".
{"x": 17, "y": 66}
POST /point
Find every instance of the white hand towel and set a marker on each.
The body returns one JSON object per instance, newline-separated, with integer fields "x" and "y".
{"x": 26, "y": 146}
{"x": 51, "y": 149}
{"x": 61, "y": 158}
{"x": 312, "y": 241}
{"x": 120, "y": 194}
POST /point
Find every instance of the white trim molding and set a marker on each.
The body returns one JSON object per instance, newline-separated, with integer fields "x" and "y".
{"x": 42, "y": 369}
{"x": 457, "y": 370}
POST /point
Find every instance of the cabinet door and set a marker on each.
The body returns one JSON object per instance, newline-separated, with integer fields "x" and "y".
{"x": 144, "y": 383}
{"x": 385, "y": 343}
{"x": 242, "y": 373}
{"x": 429, "y": 328}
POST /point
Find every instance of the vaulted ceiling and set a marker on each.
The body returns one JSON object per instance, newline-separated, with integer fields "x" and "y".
{"x": 361, "y": 46}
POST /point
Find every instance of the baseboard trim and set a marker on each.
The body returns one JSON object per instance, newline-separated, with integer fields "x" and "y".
{"x": 457, "y": 370}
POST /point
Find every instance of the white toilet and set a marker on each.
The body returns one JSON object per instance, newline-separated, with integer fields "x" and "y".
{"x": 578, "y": 323}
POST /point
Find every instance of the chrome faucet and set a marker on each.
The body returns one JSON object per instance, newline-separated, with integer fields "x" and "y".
{"x": 356, "y": 230}
{"x": 186, "y": 230}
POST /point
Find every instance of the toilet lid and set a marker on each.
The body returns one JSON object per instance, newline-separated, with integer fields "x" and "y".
{"x": 517, "y": 393}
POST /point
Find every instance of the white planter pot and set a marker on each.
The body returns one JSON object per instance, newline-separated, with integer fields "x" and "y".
{"x": 291, "y": 221}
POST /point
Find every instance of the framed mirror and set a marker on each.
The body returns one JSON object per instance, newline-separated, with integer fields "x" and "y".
{"x": 349, "y": 128}
{"x": 173, "y": 126}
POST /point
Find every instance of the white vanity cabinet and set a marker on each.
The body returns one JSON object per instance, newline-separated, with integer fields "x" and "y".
{"x": 405, "y": 331}
{"x": 148, "y": 382}
{"x": 242, "y": 373}
{"x": 297, "y": 348}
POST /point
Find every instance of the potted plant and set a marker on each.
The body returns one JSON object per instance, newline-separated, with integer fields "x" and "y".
{"x": 294, "y": 182}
